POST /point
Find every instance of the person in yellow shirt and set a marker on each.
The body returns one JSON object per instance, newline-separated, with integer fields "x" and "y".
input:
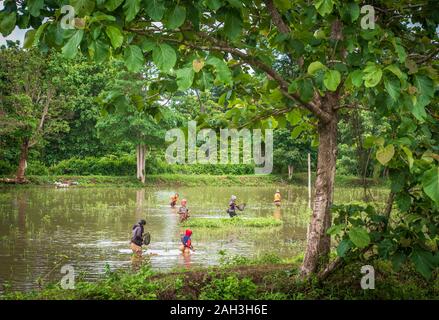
{"x": 277, "y": 198}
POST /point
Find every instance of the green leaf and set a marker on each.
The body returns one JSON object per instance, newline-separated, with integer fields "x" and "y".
{"x": 185, "y": 77}
{"x": 335, "y": 229}
{"x": 133, "y": 58}
{"x": 176, "y": 18}
{"x": 164, "y": 57}
{"x": 297, "y": 131}
{"x": 155, "y": 9}
{"x": 359, "y": 237}
{"x": 29, "y": 38}
{"x": 294, "y": 117}
{"x": 409, "y": 155}
{"x": 148, "y": 45}
{"x": 306, "y": 89}
{"x": 332, "y": 79}
{"x": 343, "y": 247}
{"x": 430, "y": 183}
{"x": 99, "y": 50}
{"x": 393, "y": 87}
{"x": 223, "y": 73}
{"x": 423, "y": 262}
{"x": 112, "y": 5}
{"x": 402, "y": 55}
{"x": 83, "y": 7}
{"x": 131, "y": 8}
{"x": 7, "y": 23}
{"x": 34, "y": 7}
{"x": 206, "y": 80}
{"x": 354, "y": 11}
{"x": 397, "y": 260}
{"x": 70, "y": 49}
{"x": 232, "y": 25}
{"x": 385, "y": 154}
{"x": 115, "y": 36}
{"x": 214, "y": 4}
{"x": 425, "y": 89}
{"x": 324, "y": 7}
{"x": 372, "y": 75}
{"x": 235, "y": 3}
{"x": 357, "y": 78}
{"x": 315, "y": 66}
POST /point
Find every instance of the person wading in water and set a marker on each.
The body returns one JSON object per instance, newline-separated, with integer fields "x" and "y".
{"x": 137, "y": 238}
{"x": 183, "y": 211}
{"x": 277, "y": 198}
{"x": 233, "y": 206}
{"x": 174, "y": 200}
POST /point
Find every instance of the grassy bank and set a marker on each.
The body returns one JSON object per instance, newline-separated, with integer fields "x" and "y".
{"x": 235, "y": 222}
{"x": 194, "y": 180}
{"x": 240, "y": 278}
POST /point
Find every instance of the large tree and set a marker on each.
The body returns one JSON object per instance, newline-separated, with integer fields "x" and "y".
{"x": 31, "y": 108}
{"x": 340, "y": 59}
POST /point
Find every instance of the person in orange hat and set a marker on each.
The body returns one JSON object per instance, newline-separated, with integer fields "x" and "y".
{"x": 186, "y": 241}
{"x": 183, "y": 211}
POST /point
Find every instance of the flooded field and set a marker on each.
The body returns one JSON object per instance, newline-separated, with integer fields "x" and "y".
{"x": 43, "y": 228}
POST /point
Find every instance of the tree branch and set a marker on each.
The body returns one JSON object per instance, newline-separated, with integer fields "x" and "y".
{"x": 277, "y": 18}
{"x": 222, "y": 46}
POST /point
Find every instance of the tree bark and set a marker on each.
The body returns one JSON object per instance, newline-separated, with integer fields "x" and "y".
{"x": 318, "y": 242}
{"x": 140, "y": 152}
{"x": 290, "y": 171}
{"x": 22, "y": 163}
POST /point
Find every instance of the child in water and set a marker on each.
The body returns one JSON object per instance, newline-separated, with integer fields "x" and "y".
{"x": 233, "y": 206}
{"x": 174, "y": 200}
{"x": 277, "y": 198}
{"x": 183, "y": 211}
{"x": 186, "y": 245}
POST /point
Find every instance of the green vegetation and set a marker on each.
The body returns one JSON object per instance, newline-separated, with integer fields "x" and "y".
{"x": 232, "y": 222}
{"x": 359, "y": 100}
{"x": 240, "y": 278}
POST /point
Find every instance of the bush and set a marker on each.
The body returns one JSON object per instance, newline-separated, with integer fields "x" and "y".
{"x": 109, "y": 165}
{"x": 229, "y": 288}
{"x": 6, "y": 168}
{"x": 36, "y": 168}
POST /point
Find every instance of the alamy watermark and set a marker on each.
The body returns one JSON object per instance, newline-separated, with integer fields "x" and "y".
{"x": 368, "y": 280}
{"x": 253, "y": 150}
{"x": 68, "y": 281}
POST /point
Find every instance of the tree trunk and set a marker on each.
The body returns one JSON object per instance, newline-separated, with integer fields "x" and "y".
{"x": 318, "y": 242}
{"x": 22, "y": 163}
{"x": 290, "y": 171}
{"x": 140, "y": 152}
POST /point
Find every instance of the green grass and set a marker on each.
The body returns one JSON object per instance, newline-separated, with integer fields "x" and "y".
{"x": 299, "y": 179}
{"x": 266, "y": 278}
{"x": 232, "y": 222}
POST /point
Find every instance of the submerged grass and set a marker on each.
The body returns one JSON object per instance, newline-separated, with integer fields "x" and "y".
{"x": 232, "y": 222}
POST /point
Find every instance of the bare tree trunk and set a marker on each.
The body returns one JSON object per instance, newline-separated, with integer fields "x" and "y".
{"x": 140, "y": 152}
{"x": 318, "y": 242}
{"x": 22, "y": 163}
{"x": 290, "y": 171}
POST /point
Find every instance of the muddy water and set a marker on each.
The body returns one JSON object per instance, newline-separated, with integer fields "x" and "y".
{"x": 42, "y": 229}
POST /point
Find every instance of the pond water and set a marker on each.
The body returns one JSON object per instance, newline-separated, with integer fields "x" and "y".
{"x": 43, "y": 228}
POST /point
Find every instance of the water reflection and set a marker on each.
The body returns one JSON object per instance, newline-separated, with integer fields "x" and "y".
{"x": 92, "y": 228}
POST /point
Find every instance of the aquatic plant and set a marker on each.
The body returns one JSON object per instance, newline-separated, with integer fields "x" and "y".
{"x": 232, "y": 222}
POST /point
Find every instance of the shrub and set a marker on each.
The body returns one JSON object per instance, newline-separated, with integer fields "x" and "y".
{"x": 36, "y": 168}
{"x": 229, "y": 288}
{"x": 6, "y": 168}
